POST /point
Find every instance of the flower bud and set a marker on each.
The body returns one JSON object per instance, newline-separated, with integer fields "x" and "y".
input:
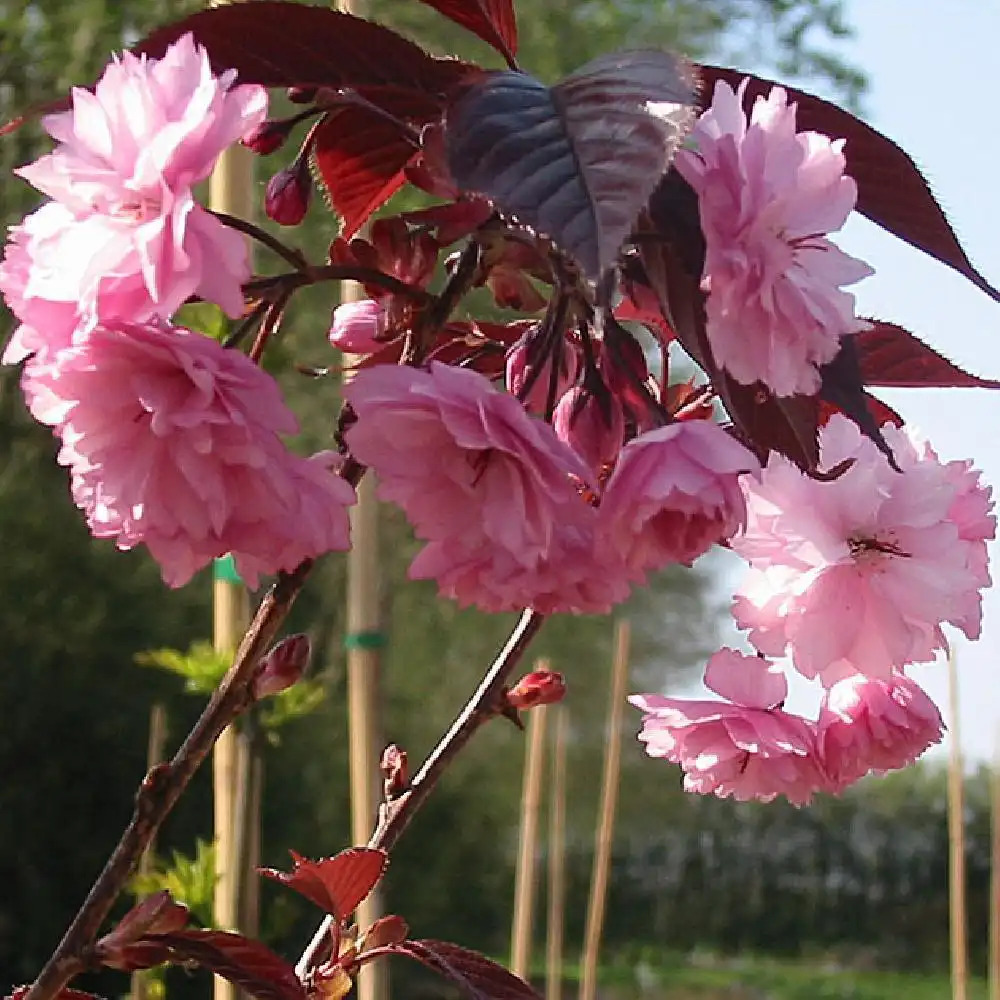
{"x": 396, "y": 771}
{"x": 269, "y": 136}
{"x": 356, "y": 326}
{"x": 283, "y": 666}
{"x": 540, "y": 687}
{"x": 527, "y": 375}
{"x": 288, "y": 193}
{"x": 594, "y": 428}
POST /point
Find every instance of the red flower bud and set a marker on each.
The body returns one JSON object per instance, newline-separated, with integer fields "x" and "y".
{"x": 288, "y": 192}
{"x": 283, "y": 666}
{"x": 540, "y": 687}
{"x": 269, "y": 136}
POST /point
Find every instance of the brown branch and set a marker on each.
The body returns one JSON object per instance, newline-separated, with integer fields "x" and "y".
{"x": 164, "y": 784}
{"x": 286, "y": 253}
{"x": 395, "y": 816}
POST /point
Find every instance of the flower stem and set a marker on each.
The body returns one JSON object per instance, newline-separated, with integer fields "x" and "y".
{"x": 395, "y": 815}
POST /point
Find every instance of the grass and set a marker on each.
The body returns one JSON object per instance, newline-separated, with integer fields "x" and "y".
{"x": 672, "y": 977}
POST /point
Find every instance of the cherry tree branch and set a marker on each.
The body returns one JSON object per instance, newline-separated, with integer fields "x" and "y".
{"x": 395, "y": 815}
{"x": 163, "y": 785}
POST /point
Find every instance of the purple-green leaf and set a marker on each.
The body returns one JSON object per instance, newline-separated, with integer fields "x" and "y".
{"x": 578, "y": 161}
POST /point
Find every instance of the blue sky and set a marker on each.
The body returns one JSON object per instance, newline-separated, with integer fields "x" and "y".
{"x": 931, "y": 66}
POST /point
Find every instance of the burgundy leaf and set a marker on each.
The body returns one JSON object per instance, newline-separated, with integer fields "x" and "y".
{"x": 156, "y": 914}
{"x": 577, "y": 161}
{"x": 491, "y": 20}
{"x": 891, "y": 190}
{"x": 66, "y": 993}
{"x": 284, "y": 44}
{"x": 336, "y": 884}
{"x": 891, "y": 356}
{"x": 880, "y": 412}
{"x": 359, "y": 158}
{"x": 841, "y": 385}
{"x": 453, "y": 220}
{"x": 249, "y": 964}
{"x": 479, "y": 977}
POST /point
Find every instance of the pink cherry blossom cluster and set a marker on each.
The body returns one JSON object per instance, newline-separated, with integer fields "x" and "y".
{"x": 852, "y": 580}
{"x": 171, "y": 440}
{"x": 766, "y": 195}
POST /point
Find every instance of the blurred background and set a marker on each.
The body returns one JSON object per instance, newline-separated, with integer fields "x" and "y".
{"x": 708, "y": 898}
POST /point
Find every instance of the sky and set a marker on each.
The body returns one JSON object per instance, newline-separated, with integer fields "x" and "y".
{"x": 931, "y": 65}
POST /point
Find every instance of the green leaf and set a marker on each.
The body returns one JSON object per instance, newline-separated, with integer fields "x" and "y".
{"x": 205, "y": 317}
{"x": 189, "y": 880}
{"x": 202, "y": 666}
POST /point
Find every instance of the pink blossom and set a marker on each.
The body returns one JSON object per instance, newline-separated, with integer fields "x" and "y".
{"x": 746, "y": 747}
{"x": 674, "y": 493}
{"x": 355, "y": 326}
{"x": 530, "y": 381}
{"x": 874, "y": 725}
{"x": 492, "y": 491}
{"x": 125, "y": 238}
{"x": 766, "y": 194}
{"x": 859, "y": 573}
{"x": 172, "y": 441}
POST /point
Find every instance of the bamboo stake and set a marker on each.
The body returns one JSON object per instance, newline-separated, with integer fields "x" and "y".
{"x": 995, "y": 874}
{"x": 557, "y": 856}
{"x": 606, "y": 823}
{"x": 527, "y": 848}
{"x": 155, "y": 752}
{"x": 230, "y": 191}
{"x": 956, "y": 846}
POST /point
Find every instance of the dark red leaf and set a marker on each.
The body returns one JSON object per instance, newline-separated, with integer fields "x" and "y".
{"x": 891, "y": 356}
{"x": 284, "y": 44}
{"x": 491, "y": 20}
{"x": 891, "y": 190}
{"x": 156, "y": 914}
{"x": 479, "y": 977}
{"x": 880, "y": 412}
{"x": 577, "y": 161}
{"x": 336, "y": 884}
{"x": 66, "y": 993}
{"x": 249, "y": 964}
{"x": 359, "y": 158}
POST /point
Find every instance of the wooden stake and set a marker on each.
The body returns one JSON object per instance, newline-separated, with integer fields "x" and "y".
{"x": 155, "y": 752}
{"x": 606, "y": 822}
{"x": 956, "y": 846}
{"x": 557, "y": 855}
{"x": 230, "y": 191}
{"x": 527, "y": 847}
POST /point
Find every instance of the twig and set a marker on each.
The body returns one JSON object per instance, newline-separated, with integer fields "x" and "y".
{"x": 395, "y": 815}
{"x": 335, "y": 272}
{"x": 286, "y": 253}
{"x": 164, "y": 784}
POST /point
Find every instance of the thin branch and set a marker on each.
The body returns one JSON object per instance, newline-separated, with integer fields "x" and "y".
{"x": 335, "y": 272}
{"x": 395, "y": 815}
{"x": 286, "y": 253}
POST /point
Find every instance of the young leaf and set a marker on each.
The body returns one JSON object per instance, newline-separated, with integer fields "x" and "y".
{"x": 283, "y": 44}
{"x": 479, "y": 977}
{"x": 384, "y": 932}
{"x": 359, "y": 158}
{"x": 249, "y": 964}
{"x": 337, "y": 884}
{"x": 491, "y": 20}
{"x": 891, "y": 356}
{"x": 891, "y": 190}
{"x": 579, "y": 160}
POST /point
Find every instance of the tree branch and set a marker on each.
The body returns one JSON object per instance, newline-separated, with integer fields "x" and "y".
{"x": 162, "y": 787}
{"x": 395, "y": 816}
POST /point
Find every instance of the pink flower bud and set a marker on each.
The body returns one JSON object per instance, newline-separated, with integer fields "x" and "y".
{"x": 356, "y": 326}
{"x": 593, "y": 428}
{"x": 269, "y": 136}
{"x": 529, "y": 380}
{"x": 288, "y": 193}
{"x": 283, "y": 666}
{"x": 540, "y": 687}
